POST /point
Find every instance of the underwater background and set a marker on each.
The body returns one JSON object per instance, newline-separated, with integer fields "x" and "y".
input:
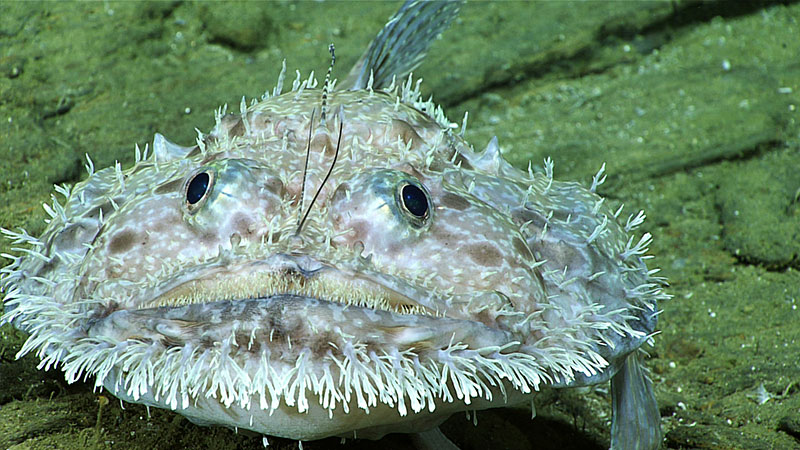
{"x": 693, "y": 106}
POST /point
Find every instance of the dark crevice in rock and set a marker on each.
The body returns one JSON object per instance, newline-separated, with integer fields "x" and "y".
{"x": 61, "y": 107}
{"x": 756, "y": 202}
{"x": 769, "y": 266}
{"x": 688, "y": 13}
{"x": 159, "y": 9}
{"x": 791, "y": 426}
{"x": 542, "y": 433}
{"x": 750, "y": 148}
{"x": 648, "y": 30}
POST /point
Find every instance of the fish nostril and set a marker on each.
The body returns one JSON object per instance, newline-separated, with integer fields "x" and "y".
{"x": 275, "y": 186}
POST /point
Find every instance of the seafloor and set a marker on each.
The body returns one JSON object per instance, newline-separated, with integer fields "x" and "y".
{"x": 693, "y": 106}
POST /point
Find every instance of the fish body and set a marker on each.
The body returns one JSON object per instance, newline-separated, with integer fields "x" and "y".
{"x": 337, "y": 263}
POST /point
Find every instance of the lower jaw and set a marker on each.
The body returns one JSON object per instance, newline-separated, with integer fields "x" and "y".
{"x": 302, "y": 368}
{"x": 285, "y": 320}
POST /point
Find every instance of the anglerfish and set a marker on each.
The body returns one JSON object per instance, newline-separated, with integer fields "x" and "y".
{"x": 339, "y": 261}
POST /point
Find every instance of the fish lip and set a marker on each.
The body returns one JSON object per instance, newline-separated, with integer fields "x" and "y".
{"x": 280, "y": 274}
{"x": 304, "y": 320}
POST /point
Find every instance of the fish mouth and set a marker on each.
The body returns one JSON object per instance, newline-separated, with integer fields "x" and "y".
{"x": 288, "y": 303}
{"x": 278, "y": 331}
{"x": 299, "y": 277}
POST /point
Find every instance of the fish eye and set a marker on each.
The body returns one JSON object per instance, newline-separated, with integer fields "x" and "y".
{"x": 414, "y": 200}
{"x": 198, "y": 188}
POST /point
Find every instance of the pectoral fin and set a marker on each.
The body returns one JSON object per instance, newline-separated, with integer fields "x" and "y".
{"x": 636, "y": 421}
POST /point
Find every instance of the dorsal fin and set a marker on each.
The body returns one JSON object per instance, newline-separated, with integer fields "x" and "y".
{"x": 492, "y": 161}
{"x": 165, "y": 150}
{"x": 402, "y": 43}
{"x": 491, "y": 158}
